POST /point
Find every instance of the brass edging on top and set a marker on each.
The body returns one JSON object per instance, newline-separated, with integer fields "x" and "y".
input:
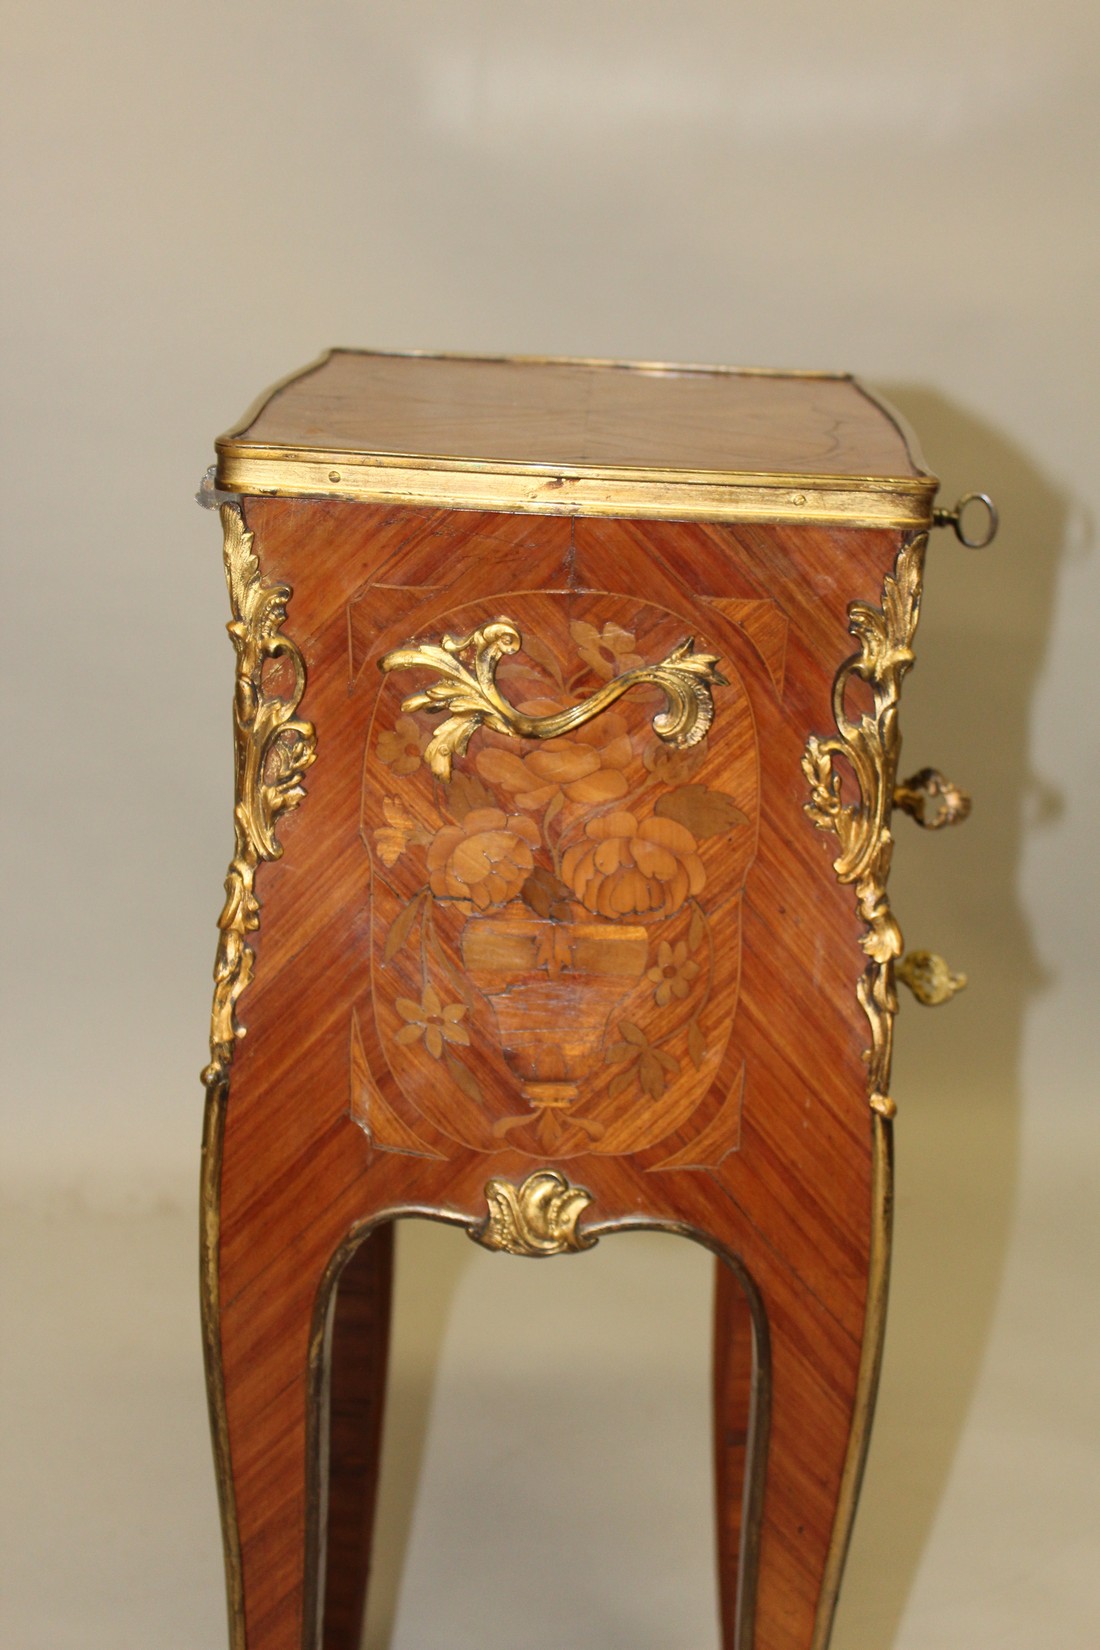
{"x": 611, "y": 363}
{"x": 677, "y": 495}
{"x": 231, "y": 451}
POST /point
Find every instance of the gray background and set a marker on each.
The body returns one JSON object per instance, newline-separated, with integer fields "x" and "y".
{"x": 199, "y": 198}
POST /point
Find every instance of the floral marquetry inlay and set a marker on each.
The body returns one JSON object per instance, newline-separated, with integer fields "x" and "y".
{"x": 555, "y": 915}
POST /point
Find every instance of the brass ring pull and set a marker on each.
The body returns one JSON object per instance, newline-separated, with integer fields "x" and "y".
{"x": 470, "y": 694}
{"x": 954, "y": 518}
{"x": 932, "y": 800}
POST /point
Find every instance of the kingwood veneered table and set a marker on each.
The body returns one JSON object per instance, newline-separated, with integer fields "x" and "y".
{"x": 566, "y": 751}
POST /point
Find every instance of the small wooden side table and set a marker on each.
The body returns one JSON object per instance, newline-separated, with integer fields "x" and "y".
{"x": 566, "y": 751}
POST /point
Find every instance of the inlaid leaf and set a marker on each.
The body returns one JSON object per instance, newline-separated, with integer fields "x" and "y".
{"x": 673, "y": 767}
{"x": 392, "y": 838}
{"x": 537, "y": 649}
{"x": 651, "y": 1074}
{"x": 465, "y": 1078}
{"x": 503, "y": 768}
{"x": 621, "y": 1081}
{"x": 556, "y": 804}
{"x": 455, "y": 975}
{"x": 697, "y": 1044}
{"x": 704, "y": 812}
{"x": 399, "y": 929}
{"x": 465, "y": 793}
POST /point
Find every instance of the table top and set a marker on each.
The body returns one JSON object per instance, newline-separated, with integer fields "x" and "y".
{"x": 581, "y": 438}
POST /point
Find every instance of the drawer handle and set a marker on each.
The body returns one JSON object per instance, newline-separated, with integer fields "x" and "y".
{"x": 473, "y": 700}
{"x": 932, "y": 800}
{"x": 929, "y": 978}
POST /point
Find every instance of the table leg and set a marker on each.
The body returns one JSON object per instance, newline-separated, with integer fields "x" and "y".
{"x": 735, "y": 1363}
{"x": 360, "y": 1343}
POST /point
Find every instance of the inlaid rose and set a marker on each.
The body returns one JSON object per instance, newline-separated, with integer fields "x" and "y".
{"x": 484, "y": 861}
{"x": 588, "y": 766}
{"x": 624, "y": 867}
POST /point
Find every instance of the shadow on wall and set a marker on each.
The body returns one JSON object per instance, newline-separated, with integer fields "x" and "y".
{"x": 957, "y": 1079}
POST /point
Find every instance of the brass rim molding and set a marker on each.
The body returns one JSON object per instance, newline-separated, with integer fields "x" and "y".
{"x": 685, "y": 677}
{"x": 871, "y": 746}
{"x": 568, "y": 490}
{"x": 272, "y": 749}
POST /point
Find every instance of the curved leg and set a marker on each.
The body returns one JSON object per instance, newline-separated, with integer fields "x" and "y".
{"x": 266, "y": 1335}
{"x": 357, "y": 1389}
{"x": 734, "y": 1366}
{"x": 814, "y": 1383}
{"x": 280, "y": 1318}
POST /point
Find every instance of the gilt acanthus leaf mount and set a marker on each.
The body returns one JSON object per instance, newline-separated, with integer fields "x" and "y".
{"x": 536, "y": 1218}
{"x": 870, "y": 744}
{"x": 273, "y": 748}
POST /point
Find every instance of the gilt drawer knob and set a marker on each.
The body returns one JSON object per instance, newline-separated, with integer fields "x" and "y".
{"x": 929, "y": 978}
{"x": 932, "y": 800}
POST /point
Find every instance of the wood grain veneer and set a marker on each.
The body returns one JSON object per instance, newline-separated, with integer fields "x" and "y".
{"x": 597, "y": 414}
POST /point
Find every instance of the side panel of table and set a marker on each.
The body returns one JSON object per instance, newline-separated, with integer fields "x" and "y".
{"x": 715, "y": 1081}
